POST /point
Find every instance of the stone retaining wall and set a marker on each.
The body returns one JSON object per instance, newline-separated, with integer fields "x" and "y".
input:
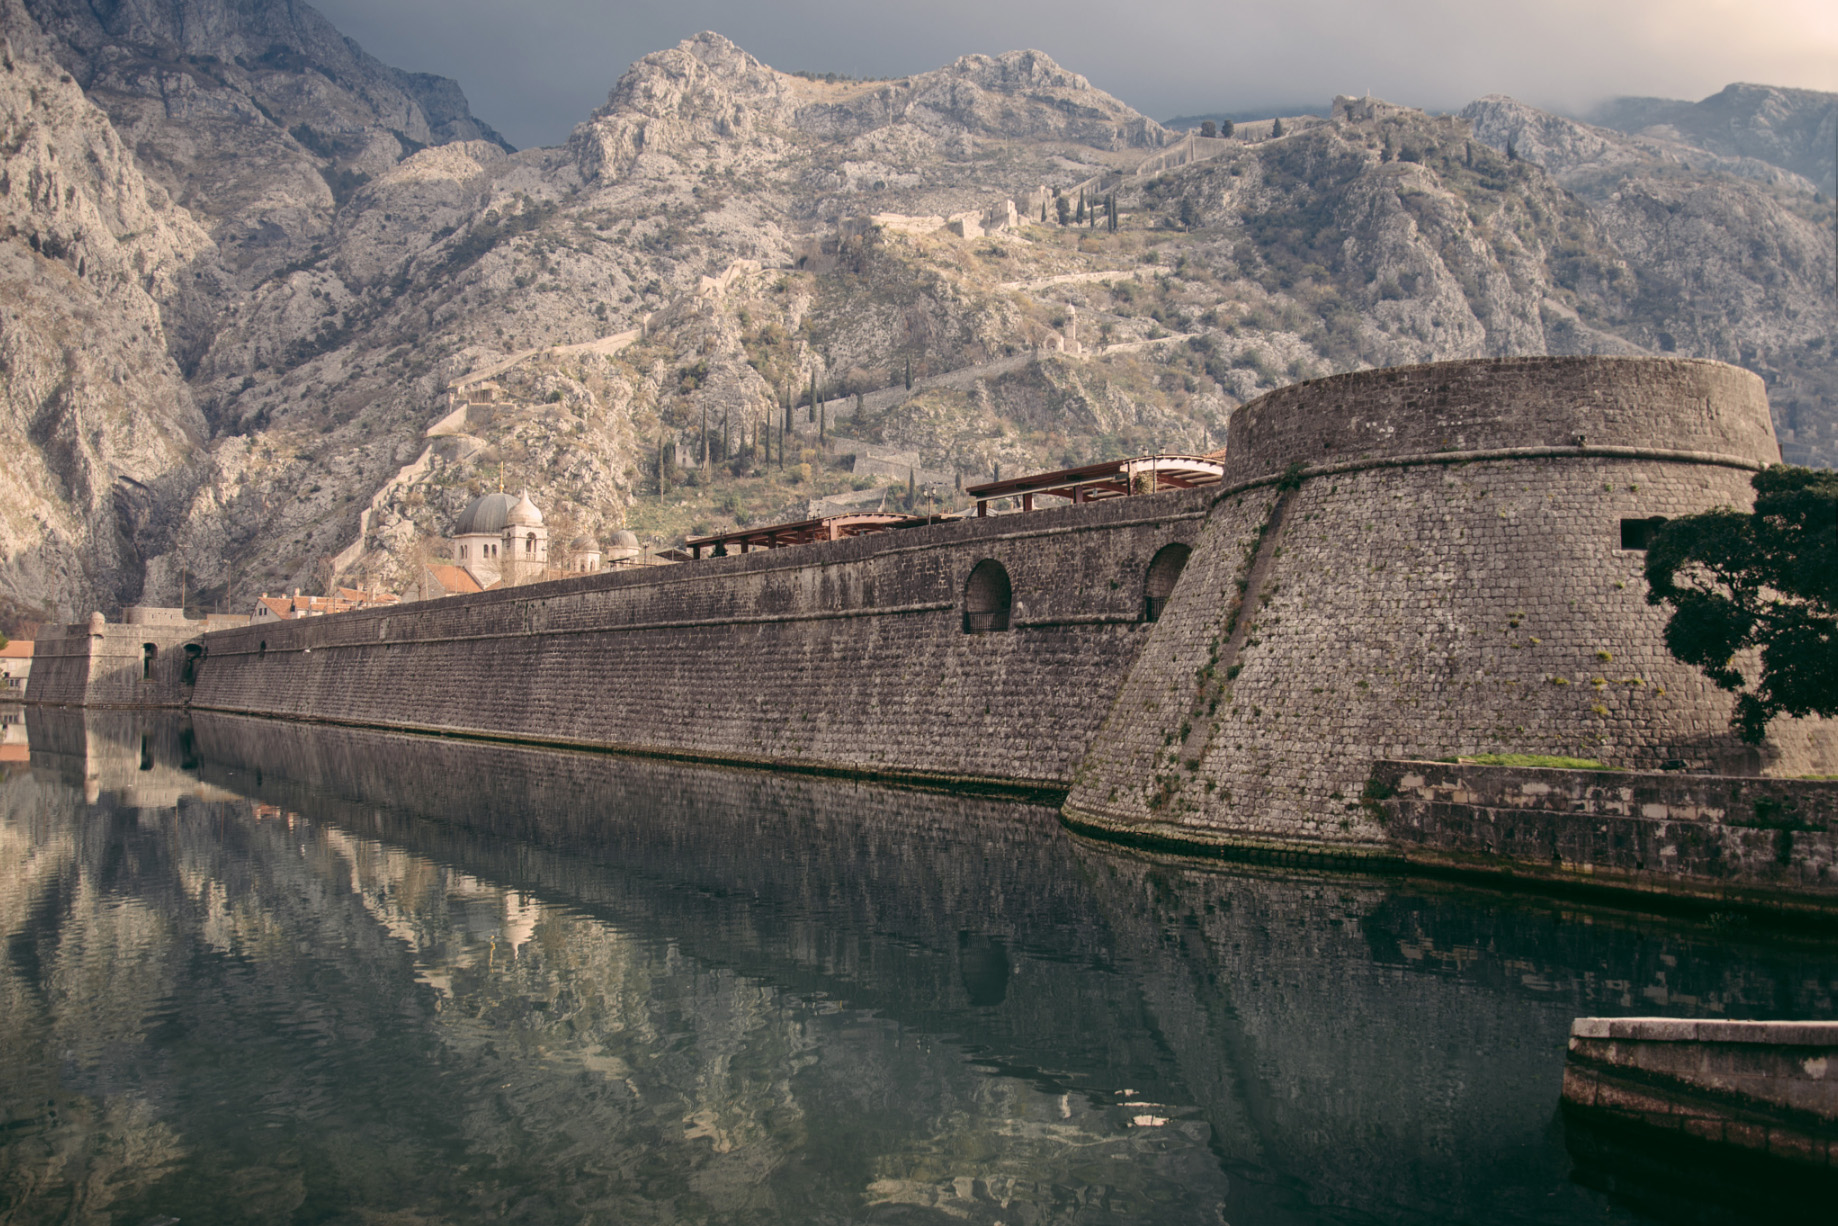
{"x": 1718, "y": 838}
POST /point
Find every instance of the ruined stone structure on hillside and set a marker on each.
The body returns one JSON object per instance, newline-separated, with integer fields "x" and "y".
{"x": 1419, "y": 562}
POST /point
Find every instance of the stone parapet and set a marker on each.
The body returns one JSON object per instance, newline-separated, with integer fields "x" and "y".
{"x": 1506, "y": 404}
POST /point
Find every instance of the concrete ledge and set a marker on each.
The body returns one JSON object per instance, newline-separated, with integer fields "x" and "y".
{"x": 1220, "y": 844}
{"x": 1687, "y": 1030}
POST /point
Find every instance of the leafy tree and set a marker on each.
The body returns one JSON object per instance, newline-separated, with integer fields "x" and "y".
{"x": 1227, "y": 128}
{"x": 1208, "y": 128}
{"x": 1764, "y": 580}
{"x": 1064, "y": 208}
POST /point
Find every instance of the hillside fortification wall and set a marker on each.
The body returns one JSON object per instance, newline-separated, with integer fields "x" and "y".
{"x": 1426, "y": 562}
{"x": 851, "y": 656}
{"x": 108, "y": 664}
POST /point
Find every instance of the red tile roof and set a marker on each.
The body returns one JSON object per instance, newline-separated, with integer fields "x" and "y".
{"x": 455, "y": 578}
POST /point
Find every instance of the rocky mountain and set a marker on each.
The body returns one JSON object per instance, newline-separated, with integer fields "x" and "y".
{"x": 1794, "y": 129}
{"x": 322, "y": 305}
{"x": 103, "y": 441}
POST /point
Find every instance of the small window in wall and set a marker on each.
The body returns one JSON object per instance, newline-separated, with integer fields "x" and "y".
{"x": 1158, "y": 584}
{"x": 148, "y": 654}
{"x": 262, "y": 650}
{"x": 987, "y": 597}
{"x": 1638, "y": 533}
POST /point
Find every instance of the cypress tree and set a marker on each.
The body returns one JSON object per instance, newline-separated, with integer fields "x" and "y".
{"x": 909, "y": 374}
{"x": 1227, "y": 128}
{"x": 1080, "y": 216}
{"x": 1276, "y": 129}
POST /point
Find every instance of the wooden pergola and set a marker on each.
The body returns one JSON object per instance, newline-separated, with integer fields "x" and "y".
{"x": 805, "y": 532}
{"x": 1107, "y": 479}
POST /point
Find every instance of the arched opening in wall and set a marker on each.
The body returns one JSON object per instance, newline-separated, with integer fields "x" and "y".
{"x": 261, "y": 652}
{"x": 1639, "y": 533}
{"x": 148, "y": 654}
{"x": 1158, "y": 584}
{"x": 529, "y": 543}
{"x": 193, "y": 653}
{"x": 987, "y": 597}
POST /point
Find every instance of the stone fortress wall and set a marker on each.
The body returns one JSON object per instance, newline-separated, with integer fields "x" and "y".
{"x": 849, "y": 656}
{"x": 1413, "y": 563}
{"x": 1425, "y": 562}
{"x": 106, "y": 664}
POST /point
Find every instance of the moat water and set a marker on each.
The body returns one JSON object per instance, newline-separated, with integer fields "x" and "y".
{"x": 262, "y": 973}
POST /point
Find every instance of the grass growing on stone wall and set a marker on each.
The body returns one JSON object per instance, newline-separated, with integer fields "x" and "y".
{"x": 1552, "y": 761}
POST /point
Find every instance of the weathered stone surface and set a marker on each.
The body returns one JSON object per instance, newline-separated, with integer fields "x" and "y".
{"x": 848, "y": 656}
{"x": 1446, "y": 577}
{"x": 1714, "y": 836}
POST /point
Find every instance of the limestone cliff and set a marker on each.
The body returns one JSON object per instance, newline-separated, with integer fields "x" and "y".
{"x": 283, "y": 253}
{"x": 99, "y": 430}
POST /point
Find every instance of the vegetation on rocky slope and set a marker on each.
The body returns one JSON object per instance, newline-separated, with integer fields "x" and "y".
{"x": 336, "y": 270}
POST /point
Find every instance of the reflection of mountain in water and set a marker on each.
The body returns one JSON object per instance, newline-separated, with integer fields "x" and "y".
{"x": 463, "y": 980}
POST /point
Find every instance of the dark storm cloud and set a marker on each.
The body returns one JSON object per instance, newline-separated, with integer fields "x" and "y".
{"x": 534, "y": 68}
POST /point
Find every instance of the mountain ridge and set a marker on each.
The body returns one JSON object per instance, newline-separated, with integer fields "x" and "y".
{"x": 334, "y": 279}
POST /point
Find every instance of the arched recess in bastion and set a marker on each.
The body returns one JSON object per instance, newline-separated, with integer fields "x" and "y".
{"x": 1158, "y": 582}
{"x": 988, "y": 596}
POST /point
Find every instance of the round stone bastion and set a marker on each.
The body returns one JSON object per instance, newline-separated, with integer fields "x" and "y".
{"x": 1430, "y": 562}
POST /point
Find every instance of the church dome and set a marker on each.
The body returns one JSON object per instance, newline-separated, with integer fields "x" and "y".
{"x": 623, "y": 539}
{"x": 524, "y": 514}
{"x": 584, "y": 544}
{"x": 486, "y": 514}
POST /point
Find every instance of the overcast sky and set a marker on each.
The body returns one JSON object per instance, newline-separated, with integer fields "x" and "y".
{"x": 534, "y": 68}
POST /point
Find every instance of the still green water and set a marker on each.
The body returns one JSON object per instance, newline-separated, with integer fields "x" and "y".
{"x": 264, "y": 973}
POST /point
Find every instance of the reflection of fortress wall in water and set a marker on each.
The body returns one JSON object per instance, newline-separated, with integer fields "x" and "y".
{"x": 144, "y": 759}
{"x": 1371, "y": 1042}
{"x": 787, "y": 865}
{"x": 1401, "y": 1047}
{"x": 1409, "y": 563}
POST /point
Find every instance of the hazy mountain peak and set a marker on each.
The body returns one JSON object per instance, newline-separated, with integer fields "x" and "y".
{"x": 1794, "y": 129}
